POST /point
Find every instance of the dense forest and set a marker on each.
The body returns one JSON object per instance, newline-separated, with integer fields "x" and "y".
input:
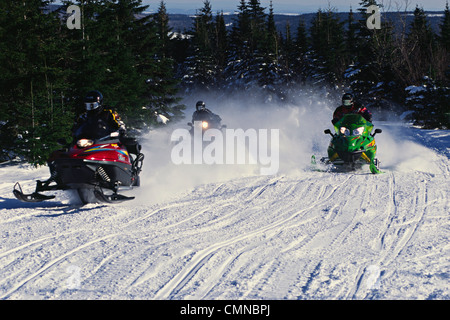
{"x": 144, "y": 68}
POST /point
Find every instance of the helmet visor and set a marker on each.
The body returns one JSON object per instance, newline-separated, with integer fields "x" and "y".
{"x": 347, "y": 103}
{"x": 91, "y": 105}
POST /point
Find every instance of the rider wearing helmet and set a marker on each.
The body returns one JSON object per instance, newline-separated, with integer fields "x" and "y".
{"x": 202, "y": 113}
{"x": 350, "y": 106}
{"x": 98, "y": 120}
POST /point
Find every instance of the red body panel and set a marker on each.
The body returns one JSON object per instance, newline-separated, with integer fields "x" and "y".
{"x": 111, "y": 152}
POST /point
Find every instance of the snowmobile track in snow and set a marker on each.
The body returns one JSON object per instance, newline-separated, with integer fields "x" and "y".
{"x": 305, "y": 235}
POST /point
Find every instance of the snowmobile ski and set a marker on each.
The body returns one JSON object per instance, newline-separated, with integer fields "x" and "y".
{"x": 113, "y": 198}
{"x": 32, "y": 197}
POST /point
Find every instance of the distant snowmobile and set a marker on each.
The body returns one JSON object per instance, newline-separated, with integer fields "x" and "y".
{"x": 89, "y": 166}
{"x": 206, "y": 121}
{"x": 353, "y": 144}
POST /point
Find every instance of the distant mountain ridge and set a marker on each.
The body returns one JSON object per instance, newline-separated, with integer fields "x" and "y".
{"x": 183, "y": 22}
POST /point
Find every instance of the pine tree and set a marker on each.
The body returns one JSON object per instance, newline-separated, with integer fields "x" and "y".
{"x": 351, "y": 40}
{"x": 240, "y": 53}
{"x": 123, "y": 55}
{"x": 269, "y": 55}
{"x": 433, "y": 111}
{"x": 161, "y": 19}
{"x": 202, "y": 68}
{"x": 32, "y": 79}
{"x": 299, "y": 56}
{"x": 273, "y": 41}
{"x": 421, "y": 40}
{"x": 444, "y": 40}
{"x": 445, "y": 29}
{"x": 328, "y": 45}
{"x": 241, "y": 29}
{"x": 370, "y": 75}
{"x": 221, "y": 48}
{"x": 156, "y": 67}
{"x": 258, "y": 34}
{"x": 301, "y": 40}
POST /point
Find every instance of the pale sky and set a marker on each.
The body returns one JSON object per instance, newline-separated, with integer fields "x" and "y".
{"x": 297, "y": 6}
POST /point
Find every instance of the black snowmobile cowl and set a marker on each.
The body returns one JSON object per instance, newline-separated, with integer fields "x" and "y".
{"x": 89, "y": 168}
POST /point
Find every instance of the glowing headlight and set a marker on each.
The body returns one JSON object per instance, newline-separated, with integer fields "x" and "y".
{"x": 358, "y": 131}
{"x": 205, "y": 125}
{"x": 84, "y": 143}
{"x": 344, "y": 131}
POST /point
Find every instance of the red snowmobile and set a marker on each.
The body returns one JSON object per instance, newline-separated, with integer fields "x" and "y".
{"x": 90, "y": 166}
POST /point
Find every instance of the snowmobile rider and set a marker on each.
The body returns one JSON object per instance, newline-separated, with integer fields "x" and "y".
{"x": 350, "y": 106}
{"x": 100, "y": 121}
{"x": 202, "y": 112}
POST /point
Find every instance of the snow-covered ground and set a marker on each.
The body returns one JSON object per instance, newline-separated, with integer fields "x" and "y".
{"x": 226, "y": 232}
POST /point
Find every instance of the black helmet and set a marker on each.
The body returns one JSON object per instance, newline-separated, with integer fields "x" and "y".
{"x": 200, "y": 105}
{"x": 347, "y": 99}
{"x": 93, "y": 100}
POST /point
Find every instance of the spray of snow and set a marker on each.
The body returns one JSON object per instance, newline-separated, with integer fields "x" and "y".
{"x": 300, "y": 128}
{"x": 400, "y": 154}
{"x": 301, "y": 125}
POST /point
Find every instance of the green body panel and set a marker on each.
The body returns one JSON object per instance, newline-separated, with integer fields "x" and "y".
{"x": 351, "y": 147}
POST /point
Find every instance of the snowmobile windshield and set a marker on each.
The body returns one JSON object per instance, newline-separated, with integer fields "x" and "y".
{"x": 205, "y": 116}
{"x": 92, "y": 129}
{"x": 353, "y": 125}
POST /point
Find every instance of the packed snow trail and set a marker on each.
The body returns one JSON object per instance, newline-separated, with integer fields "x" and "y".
{"x": 198, "y": 232}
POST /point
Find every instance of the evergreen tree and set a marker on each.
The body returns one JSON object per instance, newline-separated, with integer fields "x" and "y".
{"x": 32, "y": 79}
{"x": 351, "y": 38}
{"x": 273, "y": 41}
{"x": 241, "y": 29}
{"x": 156, "y": 66}
{"x": 445, "y": 29}
{"x": 299, "y": 57}
{"x": 161, "y": 18}
{"x": 240, "y": 55}
{"x": 268, "y": 55}
{"x": 328, "y": 44}
{"x": 220, "y": 47}
{"x": 123, "y": 55}
{"x": 301, "y": 40}
{"x": 444, "y": 39}
{"x": 202, "y": 68}
{"x": 421, "y": 40}
{"x": 258, "y": 27}
{"x": 370, "y": 75}
{"x": 433, "y": 110}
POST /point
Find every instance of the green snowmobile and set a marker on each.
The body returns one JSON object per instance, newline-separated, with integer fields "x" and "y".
{"x": 353, "y": 144}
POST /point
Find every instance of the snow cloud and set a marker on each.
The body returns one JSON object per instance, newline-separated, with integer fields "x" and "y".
{"x": 286, "y": 135}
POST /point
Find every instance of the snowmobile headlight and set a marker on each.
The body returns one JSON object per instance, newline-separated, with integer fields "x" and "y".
{"x": 205, "y": 125}
{"x": 358, "y": 131}
{"x": 84, "y": 143}
{"x": 344, "y": 131}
